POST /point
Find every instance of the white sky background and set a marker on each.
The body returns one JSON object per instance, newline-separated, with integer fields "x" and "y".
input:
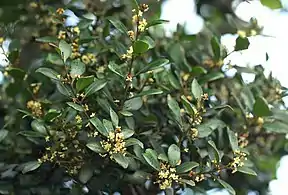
{"x": 275, "y": 24}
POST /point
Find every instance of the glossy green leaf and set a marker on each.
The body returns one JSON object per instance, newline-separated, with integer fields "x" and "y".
{"x": 114, "y": 117}
{"x": 216, "y": 152}
{"x": 108, "y": 125}
{"x": 174, "y": 107}
{"x": 205, "y": 129}
{"x": 273, "y": 4}
{"x": 188, "y": 182}
{"x": 77, "y": 68}
{"x": 227, "y": 186}
{"x": 64, "y": 89}
{"x": 140, "y": 47}
{"x": 30, "y": 166}
{"x": 186, "y": 167}
{"x": 3, "y": 134}
{"x": 47, "y": 39}
{"x": 121, "y": 160}
{"x": 190, "y": 108}
{"x": 153, "y": 65}
{"x": 86, "y": 173}
{"x": 132, "y": 142}
{"x": 196, "y": 89}
{"x": 118, "y": 24}
{"x": 127, "y": 133}
{"x": 38, "y": 126}
{"x": 233, "y": 140}
{"x": 115, "y": 68}
{"x": 65, "y": 50}
{"x": 75, "y": 106}
{"x": 276, "y": 127}
{"x": 246, "y": 170}
{"x": 48, "y": 72}
{"x": 133, "y": 104}
{"x": 157, "y": 22}
{"x": 261, "y": 107}
{"x": 99, "y": 126}
{"x": 174, "y": 155}
{"x": 241, "y": 43}
{"x": 96, "y": 147}
{"x": 213, "y": 76}
{"x": 149, "y": 92}
{"x": 95, "y": 86}
{"x": 150, "y": 157}
{"x": 84, "y": 82}
{"x": 149, "y": 41}
{"x": 216, "y": 48}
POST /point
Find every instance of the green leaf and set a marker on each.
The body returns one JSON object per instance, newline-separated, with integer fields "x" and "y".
{"x": 85, "y": 174}
{"x": 276, "y": 127}
{"x": 132, "y": 142}
{"x": 156, "y": 22}
{"x": 174, "y": 81}
{"x": 205, "y": 129}
{"x": 95, "y": 147}
{"x": 125, "y": 113}
{"x": 115, "y": 68}
{"x": 188, "y": 106}
{"x": 246, "y": 170}
{"x": 108, "y": 125}
{"x": 227, "y": 186}
{"x": 163, "y": 157}
{"x": 241, "y": 43}
{"x": 273, "y": 4}
{"x": 30, "y": 166}
{"x": 114, "y": 117}
{"x": 3, "y": 134}
{"x": 54, "y": 58}
{"x": 135, "y": 4}
{"x": 149, "y": 41}
{"x": 127, "y": 133}
{"x": 149, "y": 92}
{"x": 150, "y": 157}
{"x": 48, "y": 72}
{"x": 233, "y": 140}
{"x": 38, "y": 126}
{"x": 186, "y": 166}
{"x": 64, "y": 89}
{"x": 99, "y": 126}
{"x": 65, "y": 50}
{"x": 94, "y": 87}
{"x": 213, "y": 76}
{"x": 118, "y": 24}
{"x": 174, "y": 107}
{"x": 198, "y": 70}
{"x": 216, "y": 152}
{"x": 261, "y": 107}
{"x": 133, "y": 104}
{"x": 188, "y": 182}
{"x": 174, "y": 155}
{"x": 51, "y": 115}
{"x": 153, "y": 65}
{"x": 121, "y": 160}
{"x": 47, "y": 39}
{"x": 216, "y": 48}
{"x": 83, "y": 82}
{"x": 196, "y": 89}
{"x": 17, "y": 73}
{"x": 75, "y": 106}
{"x": 140, "y": 47}
{"x": 77, "y": 68}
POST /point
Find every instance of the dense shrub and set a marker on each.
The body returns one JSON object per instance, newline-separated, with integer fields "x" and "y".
{"x": 113, "y": 105}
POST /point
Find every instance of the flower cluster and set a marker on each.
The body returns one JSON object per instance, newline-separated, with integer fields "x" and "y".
{"x": 128, "y": 55}
{"x": 242, "y": 140}
{"x": 35, "y": 107}
{"x": 193, "y": 133}
{"x": 166, "y": 176}
{"x": 89, "y": 58}
{"x": 138, "y": 17}
{"x": 66, "y": 152}
{"x": 115, "y": 143}
{"x": 238, "y": 160}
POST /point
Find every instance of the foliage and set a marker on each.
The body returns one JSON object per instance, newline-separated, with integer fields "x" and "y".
{"x": 114, "y": 105}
